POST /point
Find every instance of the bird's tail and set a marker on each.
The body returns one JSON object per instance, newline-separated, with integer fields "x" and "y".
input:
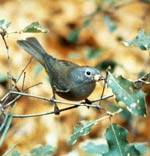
{"x": 33, "y": 47}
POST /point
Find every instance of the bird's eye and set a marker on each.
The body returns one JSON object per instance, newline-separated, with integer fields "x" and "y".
{"x": 87, "y": 73}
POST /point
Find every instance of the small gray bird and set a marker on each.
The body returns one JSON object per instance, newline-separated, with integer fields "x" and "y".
{"x": 70, "y": 81}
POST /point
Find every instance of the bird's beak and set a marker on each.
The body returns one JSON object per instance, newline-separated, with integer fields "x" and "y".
{"x": 98, "y": 77}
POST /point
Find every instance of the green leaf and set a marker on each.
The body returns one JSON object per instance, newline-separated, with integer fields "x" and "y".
{"x": 117, "y": 142}
{"x": 74, "y": 35}
{"x": 92, "y": 52}
{"x": 15, "y": 153}
{"x": 35, "y": 27}
{"x": 125, "y": 92}
{"x": 142, "y": 40}
{"x": 81, "y": 129}
{"x": 4, "y": 24}
{"x": 110, "y": 23}
{"x": 37, "y": 69}
{"x": 3, "y": 77}
{"x": 42, "y": 150}
{"x": 95, "y": 147}
{"x": 147, "y": 0}
{"x": 86, "y": 23}
{"x": 141, "y": 147}
{"x": 125, "y": 114}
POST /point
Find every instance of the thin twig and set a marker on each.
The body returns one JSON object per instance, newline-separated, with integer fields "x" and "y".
{"x": 23, "y": 70}
{"x": 58, "y": 101}
{"x": 105, "y": 82}
{"x": 12, "y": 101}
{"x": 4, "y": 122}
{"x": 109, "y": 114}
{"x": 5, "y": 96}
{"x": 114, "y": 113}
{"x": 9, "y": 150}
{"x": 42, "y": 114}
{"x": 23, "y": 82}
{"x": 50, "y": 100}
{"x": 3, "y": 34}
{"x": 147, "y": 62}
{"x": 2, "y": 109}
{"x": 103, "y": 98}
{"x": 32, "y": 86}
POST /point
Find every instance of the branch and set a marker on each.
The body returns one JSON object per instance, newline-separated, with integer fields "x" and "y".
{"x": 58, "y": 101}
{"x": 42, "y": 114}
{"x": 110, "y": 114}
{"x": 3, "y": 34}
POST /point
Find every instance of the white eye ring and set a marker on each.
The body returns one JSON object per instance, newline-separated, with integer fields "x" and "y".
{"x": 87, "y": 73}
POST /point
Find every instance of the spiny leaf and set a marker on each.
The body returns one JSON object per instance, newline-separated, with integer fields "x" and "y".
{"x": 35, "y": 27}
{"x": 15, "y": 153}
{"x": 46, "y": 150}
{"x": 142, "y": 146}
{"x": 142, "y": 40}
{"x": 81, "y": 129}
{"x": 117, "y": 142}
{"x": 95, "y": 147}
{"x": 126, "y": 93}
{"x": 124, "y": 113}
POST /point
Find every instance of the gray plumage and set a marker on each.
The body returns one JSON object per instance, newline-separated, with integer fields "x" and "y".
{"x": 68, "y": 80}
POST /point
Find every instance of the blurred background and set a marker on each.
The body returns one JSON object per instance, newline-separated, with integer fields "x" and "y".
{"x": 87, "y": 32}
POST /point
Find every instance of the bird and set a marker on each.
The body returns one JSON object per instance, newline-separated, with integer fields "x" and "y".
{"x": 67, "y": 79}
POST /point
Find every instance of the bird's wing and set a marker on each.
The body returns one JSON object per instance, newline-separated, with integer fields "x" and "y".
{"x": 63, "y": 89}
{"x": 59, "y": 74}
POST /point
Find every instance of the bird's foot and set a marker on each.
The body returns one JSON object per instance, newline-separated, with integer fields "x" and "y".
{"x": 56, "y": 108}
{"x": 87, "y": 102}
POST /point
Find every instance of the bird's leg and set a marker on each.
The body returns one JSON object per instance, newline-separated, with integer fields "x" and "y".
{"x": 56, "y": 108}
